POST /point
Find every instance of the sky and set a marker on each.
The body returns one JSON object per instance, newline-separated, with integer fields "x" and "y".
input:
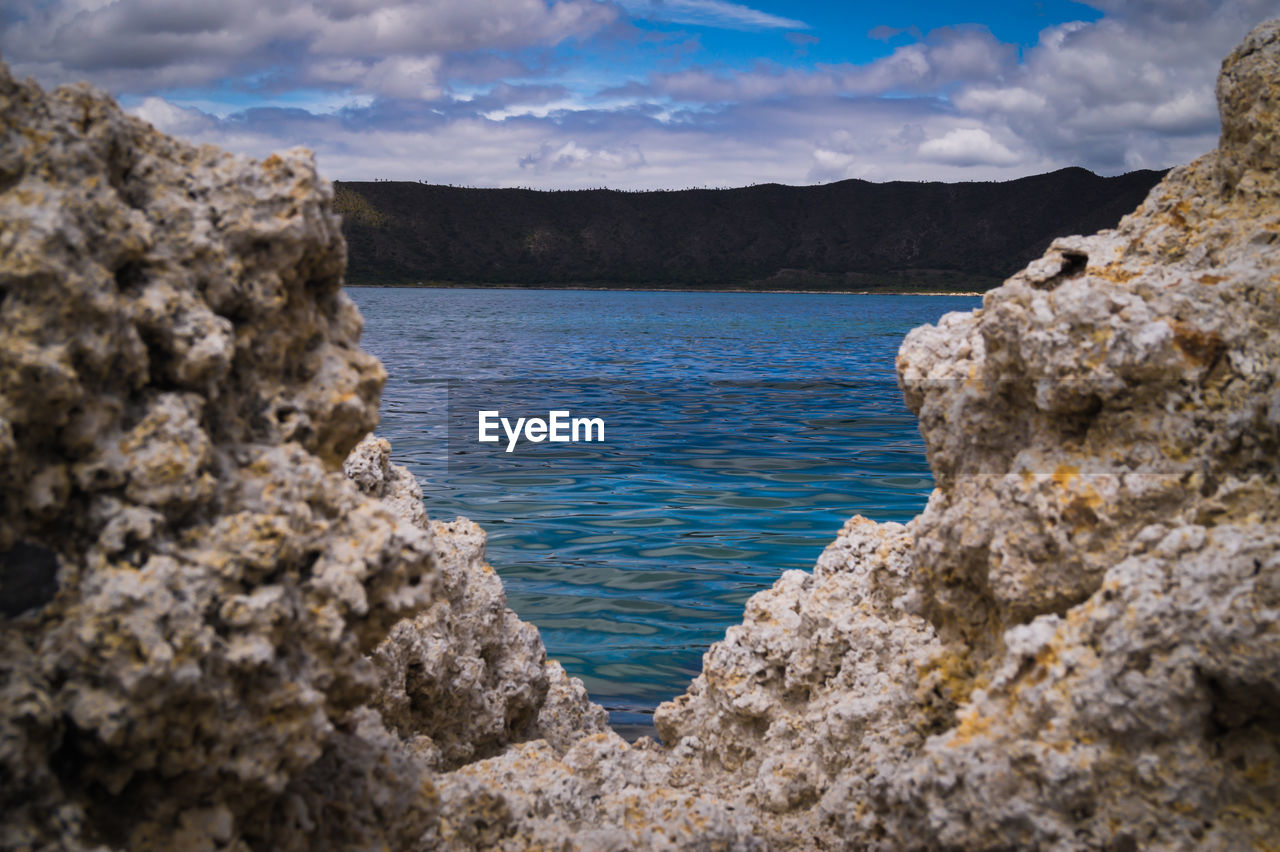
{"x": 656, "y": 94}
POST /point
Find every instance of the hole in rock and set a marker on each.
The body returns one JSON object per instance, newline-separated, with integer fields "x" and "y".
{"x": 11, "y": 176}
{"x": 28, "y": 578}
{"x": 309, "y": 561}
{"x": 119, "y": 171}
{"x": 1237, "y": 704}
{"x": 131, "y": 276}
{"x": 160, "y": 361}
{"x": 1074, "y": 265}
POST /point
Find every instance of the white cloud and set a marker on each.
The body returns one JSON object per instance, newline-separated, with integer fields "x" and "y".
{"x": 710, "y": 13}
{"x": 391, "y": 47}
{"x": 947, "y": 58}
{"x": 175, "y": 120}
{"x": 405, "y": 77}
{"x": 1135, "y": 86}
{"x": 456, "y": 25}
{"x": 736, "y": 146}
{"x": 966, "y": 146}
{"x": 554, "y": 157}
{"x": 829, "y": 165}
{"x": 1189, "y": 110}
{"x": 702, "y": 86}
{"x": 471, "y": 92}
{"x": 1012, "y": 99}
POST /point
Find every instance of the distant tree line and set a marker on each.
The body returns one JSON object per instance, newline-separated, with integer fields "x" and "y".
{"x": 847, "y": 235}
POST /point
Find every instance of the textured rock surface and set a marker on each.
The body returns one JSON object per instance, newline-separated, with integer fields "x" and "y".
{"x": 819, "y": 679}
{"x": 1077, "y": 643}
{"x": 212, "y": 638}
{"x": 179, "y": 381}
{"x": 1103, "y": 544}
{"x": 464, "y": 677}
{"x": 215, "y": 634}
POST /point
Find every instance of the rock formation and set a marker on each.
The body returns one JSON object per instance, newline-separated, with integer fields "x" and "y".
{"x": 1077, "y": 644}
{"x": 227, "y": 624}
{"x": 212, "y": 638}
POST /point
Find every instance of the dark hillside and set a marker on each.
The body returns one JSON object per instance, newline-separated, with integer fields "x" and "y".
{"x": 847, "y": 235}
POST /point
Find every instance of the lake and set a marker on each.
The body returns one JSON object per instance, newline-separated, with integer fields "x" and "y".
{"x": 740, "y": 431}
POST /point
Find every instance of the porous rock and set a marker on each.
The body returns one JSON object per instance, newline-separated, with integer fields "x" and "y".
{"x": 1075, "y": 646}
{"x": 179, "y": 382}
{"x": 213, "y": 638}
{"x": 464, "y": 670}
{"x": 1078, "y": 645}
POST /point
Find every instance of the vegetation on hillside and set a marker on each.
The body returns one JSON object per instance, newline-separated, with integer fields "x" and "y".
{"x": 851, "y": 235}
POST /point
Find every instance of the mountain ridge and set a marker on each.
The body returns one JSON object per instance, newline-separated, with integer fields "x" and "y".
{"x": 848, "y": 235}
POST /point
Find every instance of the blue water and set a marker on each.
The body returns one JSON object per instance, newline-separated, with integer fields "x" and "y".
{"x": 743, "y": 429}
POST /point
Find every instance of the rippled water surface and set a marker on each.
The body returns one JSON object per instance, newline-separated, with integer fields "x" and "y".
{"x": 742, "y": 429}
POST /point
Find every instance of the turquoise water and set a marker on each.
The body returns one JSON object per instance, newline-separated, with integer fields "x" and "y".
{"x": 742, "y": 429}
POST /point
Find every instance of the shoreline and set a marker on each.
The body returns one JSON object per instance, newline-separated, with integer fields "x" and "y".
{"x": 677, "y": 290}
